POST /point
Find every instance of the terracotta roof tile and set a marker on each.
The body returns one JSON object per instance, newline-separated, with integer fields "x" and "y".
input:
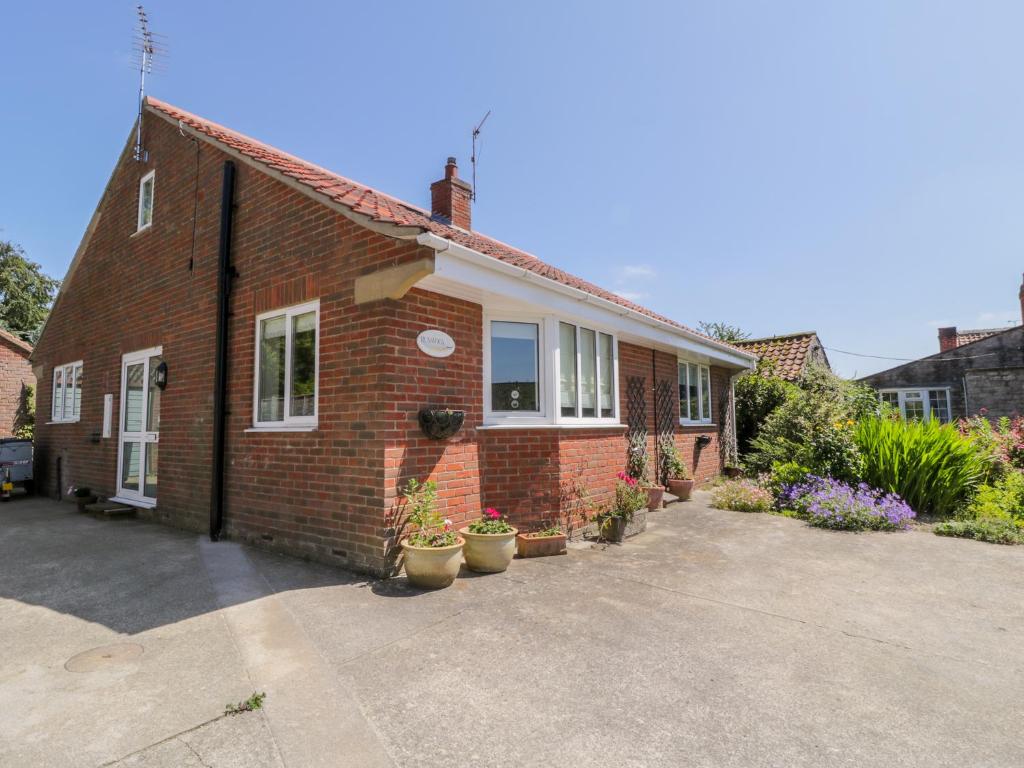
{"x": 16, "y": 342}
{"x": 787, "y": 353}
{"x": 381, "y": 207}
{"x": 976, "y": 334}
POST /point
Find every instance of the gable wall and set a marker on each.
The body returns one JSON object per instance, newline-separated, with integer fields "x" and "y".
{"x": 15, "y": 379}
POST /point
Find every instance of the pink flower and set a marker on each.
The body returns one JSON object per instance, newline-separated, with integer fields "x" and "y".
{"x": 447, "y": 524}
{"x": 622, "y": 476}
{"x": 492, "y": 513}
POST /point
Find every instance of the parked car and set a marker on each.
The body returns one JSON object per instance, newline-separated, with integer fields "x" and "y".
{"x": 15, "y": 465}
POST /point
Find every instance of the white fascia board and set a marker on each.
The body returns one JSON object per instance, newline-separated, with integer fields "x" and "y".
{"x": 454, "y": 263}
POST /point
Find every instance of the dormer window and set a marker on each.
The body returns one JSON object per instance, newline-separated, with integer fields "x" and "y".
{"x": 146, "y": 200}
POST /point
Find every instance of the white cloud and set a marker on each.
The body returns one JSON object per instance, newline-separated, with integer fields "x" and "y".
{"x": 632, "y": 295}
{"x": 637, "y": 270}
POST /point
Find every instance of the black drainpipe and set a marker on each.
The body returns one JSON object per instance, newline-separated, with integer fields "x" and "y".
{"x": 225, "y": 273}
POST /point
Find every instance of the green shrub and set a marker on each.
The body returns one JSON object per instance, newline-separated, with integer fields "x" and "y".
{"x": 757, "y": 395}
{"x": 741, "y": 496}
{"x": 995, "y": 531}
{"x": 1003, "y": 500}
{"x": 784, "y": 475}
{"x": 932, "y": 466}
{"x": 812, "y": 427}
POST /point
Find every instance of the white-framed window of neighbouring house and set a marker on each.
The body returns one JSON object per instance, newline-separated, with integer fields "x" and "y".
{"x": 694, "y": 393}
{"x": 147, "y": 187}
{"x": 66, "y": 395}
{"x": 916, "y": 404}
{"x": 287, "y": 367}
{"x": 549, "y": 370}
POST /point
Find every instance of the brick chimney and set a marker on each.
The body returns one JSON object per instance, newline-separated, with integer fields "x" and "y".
{"x": 450, "y": 197}
{"x": 947, "y": 339}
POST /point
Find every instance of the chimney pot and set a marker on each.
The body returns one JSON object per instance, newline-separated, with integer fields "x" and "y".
{"x": 450, "y": 197}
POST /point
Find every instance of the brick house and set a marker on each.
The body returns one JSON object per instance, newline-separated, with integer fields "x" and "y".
{"x": 973, "y": 369}
{"x": 247, "y": 341}
{"x": 789, "y": 355}
{"x": 16, "y": 380}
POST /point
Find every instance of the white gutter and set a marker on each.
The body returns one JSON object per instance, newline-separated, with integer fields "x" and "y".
{"x": 440, "y": 244}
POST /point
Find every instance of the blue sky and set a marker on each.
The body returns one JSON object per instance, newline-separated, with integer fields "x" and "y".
{"x": 849, "y": 167}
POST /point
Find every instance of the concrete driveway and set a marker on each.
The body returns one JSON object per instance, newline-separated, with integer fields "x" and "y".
{"x": 715, "y": 639}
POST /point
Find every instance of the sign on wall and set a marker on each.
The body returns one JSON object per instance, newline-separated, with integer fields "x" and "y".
{"x": 435, "y": 343}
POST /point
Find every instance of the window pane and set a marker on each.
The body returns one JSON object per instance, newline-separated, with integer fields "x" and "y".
{"x": 303, "y": 395}
{"x": 567, "y": 368}
{"x": 607, "y": 376}
{"x": 939, "y": 405}
{"x": 271, "y": 373}
{"x": 151, "y": 467}
{"x": 588, "y": 373}
{"x": 913, "y": 406}
{"x": 684, "y": 402}
{"x": 705, "y": 392}
{"x": 153, "y": 407}
{"x": 146, "y": 214}
{"x": 130, "y": 466}
{"x": 78, "y": 392}
{"x": 514, "y": 363}
{"x": 58, "y": 393}
{"x": 69, "y": 391}
{"x": 891, "y": 398}
{"x": 133, "y": 397}
{"x": 693, "y": 393}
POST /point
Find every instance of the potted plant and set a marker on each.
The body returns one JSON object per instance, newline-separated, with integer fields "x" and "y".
{"x": 630, "y": 498}
{"x": 433, "y": 551}
{"x": 636, "y": 467}
{"x": 676, "y": 475}
{"x": 83, "y": 498}
{"x": 490, "y": 543}
{"x": 549, "y": 541}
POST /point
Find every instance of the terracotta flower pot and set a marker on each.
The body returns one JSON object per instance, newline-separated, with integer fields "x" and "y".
{"x": 489, "y": 552}
{"x": 532, "y": 545}
{"x": 681, "y": 488}
{"x": 613, "y": 529}
{"x": 432, "y": 567}
{"x": 654, "y": 497}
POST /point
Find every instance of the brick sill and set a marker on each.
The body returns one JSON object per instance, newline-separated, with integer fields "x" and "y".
{"x": 312, "y": 428}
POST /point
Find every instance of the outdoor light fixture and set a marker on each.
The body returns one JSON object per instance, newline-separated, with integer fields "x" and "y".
{"x": 161, "y": 375}
{"x": 703, "y": 440}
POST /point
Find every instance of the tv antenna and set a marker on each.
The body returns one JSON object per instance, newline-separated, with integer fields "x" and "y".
{"x": 146, "y": 47}
{"x": 472, "y": 159}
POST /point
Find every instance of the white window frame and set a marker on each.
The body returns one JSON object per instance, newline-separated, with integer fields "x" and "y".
{"x": 140, "y": 224}
{"x": 702, "y": 407}
{"x": 578, "y": 419}
{"x": 548, "y": 360}
{"x": 924, "y": 392}
{"x": 57, "y": 415}
{"x": 289, "y": 423}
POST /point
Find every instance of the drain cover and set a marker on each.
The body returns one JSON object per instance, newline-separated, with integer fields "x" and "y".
{"x": 104, "y": 657}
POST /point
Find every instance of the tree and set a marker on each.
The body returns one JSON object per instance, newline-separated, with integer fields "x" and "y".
{"x": 722, "y": 331}
{"x": 757, "y": 395}
{"x": 26, "y": 293}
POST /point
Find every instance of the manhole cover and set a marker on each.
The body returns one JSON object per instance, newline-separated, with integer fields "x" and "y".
{"x": 104, "y": 657}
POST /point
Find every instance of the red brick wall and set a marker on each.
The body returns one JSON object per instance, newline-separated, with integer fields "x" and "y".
{"x": 15, "y": 376}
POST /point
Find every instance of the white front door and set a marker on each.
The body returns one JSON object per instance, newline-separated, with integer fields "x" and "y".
{"x": 139, "y": 428}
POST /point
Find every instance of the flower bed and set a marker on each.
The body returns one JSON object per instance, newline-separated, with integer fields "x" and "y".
{"x": 829, "y": 503}
{"x": 742, "y": 496}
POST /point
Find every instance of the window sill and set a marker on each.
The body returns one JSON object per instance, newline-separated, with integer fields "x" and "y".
{"x": 144, "y": 229}
{"x": 290, "y": 428}
{"x": 63, "y": 421}
{"x": 704, "y": 424}
{"x": 496, "y": 427}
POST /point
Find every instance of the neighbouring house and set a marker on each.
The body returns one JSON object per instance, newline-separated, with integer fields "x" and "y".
{"x": 788, "y": 355}
{"x": 250, "y": 344}
{"x": 16, "y": 382}
{"x": 974, "y": 370}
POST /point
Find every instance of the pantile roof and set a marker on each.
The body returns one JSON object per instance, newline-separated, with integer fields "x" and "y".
{"x": 380, "y": 207}
{"x": 976, "y": 334}
{"x": 787, "y": 353}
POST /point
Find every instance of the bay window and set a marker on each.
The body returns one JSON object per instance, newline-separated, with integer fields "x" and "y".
{"x": 694, "y": 393}
{"x": 66, "y": 397}
{"x": 286, "y": 367}
{"x": 919, "y": 404}
{"x": 581, "y": 389}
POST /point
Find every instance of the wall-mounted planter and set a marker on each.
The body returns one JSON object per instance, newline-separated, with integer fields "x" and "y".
{"x": 440, "y": 423}
{"x": 703, "y": 441}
